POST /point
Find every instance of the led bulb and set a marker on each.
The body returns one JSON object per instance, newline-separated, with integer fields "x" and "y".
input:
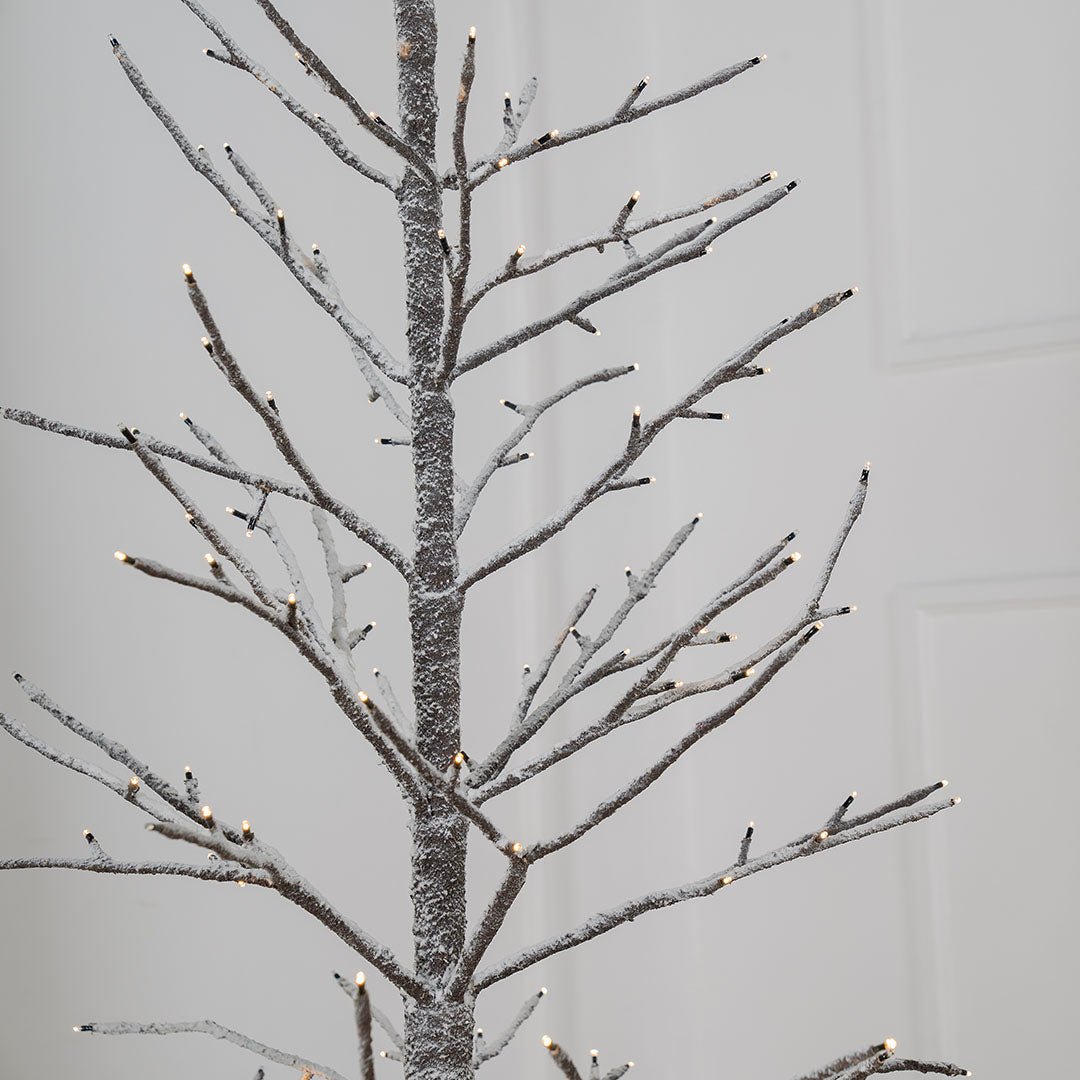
{"x": 360, "y": 979}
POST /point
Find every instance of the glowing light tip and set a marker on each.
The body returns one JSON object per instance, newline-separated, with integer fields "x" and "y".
{"x": 459, "y": 758}
{"x": 187, "y": 272}
{"x": 545, "y": 1041}
{"x": 472, "y": 33}
{"x": 773, "y": 174}
{"x": 726, "y": 880}
{"x": 637, "y": 367}
{"x": 889, "y": 1044}
{"x": 543, "y": 990}
{"x": 360, "y": 979}
{"x": 292, "y": 599}
{"x": 120, "y": 556}
{"x": 206, "y": 813}
{"x": 134, "y": 783}
{"x": 955, "y": 800}
{"x": 502, "y": 163}
{"x": 943, "y": 783}
{"x": 364, "y": 699}
{"x": 517, "y": 847}
{"x": 245, "y": 826}
{"x": 210, "y": 560}
{"x": 748, "y": 672}
{"x": 823, "y": 835}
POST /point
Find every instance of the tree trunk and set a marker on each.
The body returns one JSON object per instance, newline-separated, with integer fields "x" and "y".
{"x": 438, "y": 1033}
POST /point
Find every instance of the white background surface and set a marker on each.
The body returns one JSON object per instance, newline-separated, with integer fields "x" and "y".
{"x": 936, "y": 152}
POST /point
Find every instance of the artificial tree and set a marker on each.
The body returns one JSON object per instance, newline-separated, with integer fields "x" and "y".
{"x": 444, "y": 789}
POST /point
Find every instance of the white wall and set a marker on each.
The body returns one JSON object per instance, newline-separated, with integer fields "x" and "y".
{"x": 933, "y": 144}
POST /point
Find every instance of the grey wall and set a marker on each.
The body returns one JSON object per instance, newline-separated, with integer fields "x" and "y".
{"x": 934, "y": 149}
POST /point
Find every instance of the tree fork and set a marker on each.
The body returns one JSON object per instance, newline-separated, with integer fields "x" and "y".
{"x": 438, "y": 1033}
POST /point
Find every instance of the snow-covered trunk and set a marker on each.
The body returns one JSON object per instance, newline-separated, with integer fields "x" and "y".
{"x": 438, "y": 1033}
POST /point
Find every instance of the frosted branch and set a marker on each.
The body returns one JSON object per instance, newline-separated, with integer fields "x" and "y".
{"x": 220, "y": 589}
{"x": 114, "y": 750}
{"x": 520, "y": 267}
{"x": 367, "y": 120}
{"x": 161, "y": 448}
{"x": 762, "y": 571}
{"x": 665, "y": 258}
{"x": 526, "y": 726}
{"x": 645, "y": 780}
{"x": 806, "y": 845}
{"x": 339, "y": 627}
{"x": 217, "y": 1031}
{"x": 490, "y": 924}
{"x": 879, "y": 1058}
{"x": 435, "y": 778}
{"x": 486, "y": 1051}
{"x": 350, "y": 988}
{"x": 458, "y": 267}
{"x": 723, "y": 372}
{"x": 560, "y": 1058}
{"x": 530, "y": 415}
{"x": 362, "y": 1003}
{"x": 484, "y": 170}
{"x": 264, "y": 228}
{"x": 103, "y": 864}
{"x": 515, "y": 116}
{"x": 271, "y": 418}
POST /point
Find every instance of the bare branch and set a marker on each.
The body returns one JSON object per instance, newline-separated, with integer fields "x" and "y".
{"x": 603, "y": 922}
{"x": 217, "y": 1031}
